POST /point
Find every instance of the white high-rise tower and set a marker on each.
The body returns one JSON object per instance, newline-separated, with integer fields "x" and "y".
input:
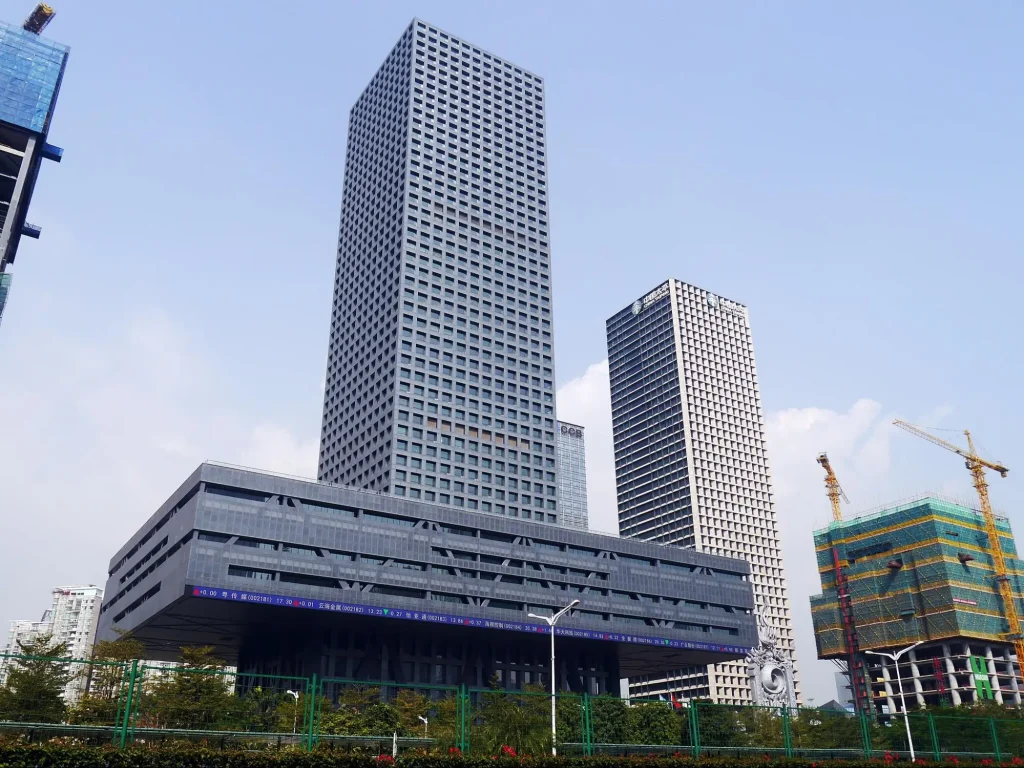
{"x": 440, "y": 373}
{"x": 690, "y": 458}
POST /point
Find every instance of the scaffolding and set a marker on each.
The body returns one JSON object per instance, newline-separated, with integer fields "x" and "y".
{"x": 918, "y": 572}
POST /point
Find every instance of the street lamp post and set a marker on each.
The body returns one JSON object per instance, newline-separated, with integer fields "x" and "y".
{"x": 899, "y": 681}
{"x": 295, "y": 716}
{"x": 551, "y": 620}
{"x": 424, "y": 721}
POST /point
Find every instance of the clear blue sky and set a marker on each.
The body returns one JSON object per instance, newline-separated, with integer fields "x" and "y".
{"x": 853, "y": 173}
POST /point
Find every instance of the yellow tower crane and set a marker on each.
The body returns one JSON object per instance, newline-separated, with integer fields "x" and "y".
{"x": 977, "y": 467}
{"x": 855, "y": 667}
{"x": 832, "y": 487}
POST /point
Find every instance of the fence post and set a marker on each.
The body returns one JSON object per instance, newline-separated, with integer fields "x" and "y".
{"x": 695, "y": 727}
{"x": 311, "y": 712}
{"x": 121, "y": 696}
{"x": 464, "y": 720}
{"x": 995, "y": 739}
{"x": 588, "y": 736}
{"x": 865, "y": 733}
{"x": 787, "y": 735}
{"x": 128, "y": 705}
{"x": 936, "y": 750}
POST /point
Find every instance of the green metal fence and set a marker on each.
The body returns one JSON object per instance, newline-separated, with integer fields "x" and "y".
{"x": 134, "y": 702}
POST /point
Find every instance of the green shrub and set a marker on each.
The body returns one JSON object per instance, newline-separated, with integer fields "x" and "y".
{"x": 66, "y": 754}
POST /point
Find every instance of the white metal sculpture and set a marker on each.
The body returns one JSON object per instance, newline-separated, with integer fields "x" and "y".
{"x": 771, "y": 671}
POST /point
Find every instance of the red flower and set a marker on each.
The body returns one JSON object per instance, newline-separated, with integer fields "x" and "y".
{"x": 385, "y": 759}
{"x": 508, "y": 751}
{"x": 454, "y": 751}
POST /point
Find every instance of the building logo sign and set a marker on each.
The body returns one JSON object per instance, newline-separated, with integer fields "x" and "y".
{"x": 572, "y": 431}
{"x": 658, "y": 293}
{"x": 982, "y": 684}
{"x": 444, "y": 618}
{"x": 714, "y": 302}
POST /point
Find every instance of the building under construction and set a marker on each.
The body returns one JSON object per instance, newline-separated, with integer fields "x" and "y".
{"x": 919, "y": 571}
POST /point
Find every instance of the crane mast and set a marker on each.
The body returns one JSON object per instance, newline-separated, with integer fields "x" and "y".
{"x": 977, "y": 466}
{"x": 854, "y": 661}
{"x": 832, "y": 488}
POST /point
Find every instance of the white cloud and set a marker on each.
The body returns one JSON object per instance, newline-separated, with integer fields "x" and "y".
{"x": 857, "y": 441}
{"x": 858, "y": 445}
{"x": 98, "y": 428}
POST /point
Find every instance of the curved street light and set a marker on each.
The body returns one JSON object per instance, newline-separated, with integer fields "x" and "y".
{"x": 899, "y": 681}
{"x": 552, "y": 620}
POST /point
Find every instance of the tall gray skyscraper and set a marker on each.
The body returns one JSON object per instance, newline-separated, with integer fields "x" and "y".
{"x": 572, "y": 475}
{"x": 691, "y": 464}
{"x": 440, "y": 374}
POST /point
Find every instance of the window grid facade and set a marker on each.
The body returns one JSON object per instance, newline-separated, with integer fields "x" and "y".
{"x": 690, "y": 456}
{"x": 572, "y": 476}
{"x": 440, "y": 382}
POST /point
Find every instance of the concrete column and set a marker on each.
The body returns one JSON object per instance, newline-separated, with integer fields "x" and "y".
{"x": 951, "y": 686}
{"x": 1012, "y": 667}
{"x": 887, "y": 684}
{"x": 993, "y": 678}
{"x": 915, "y": 674}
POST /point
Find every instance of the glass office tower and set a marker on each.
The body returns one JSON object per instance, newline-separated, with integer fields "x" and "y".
{"x": 440, "y": 375}
{"x": 572, "y": 475}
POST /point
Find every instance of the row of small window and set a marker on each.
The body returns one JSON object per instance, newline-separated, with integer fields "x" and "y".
{"x": 475, "y": 447}
{"x": 429, "y": 59}
{"x": 502, "y": 436}
{"x": 476, "y": 365}
{"x": 497, "y": 225}
{"x": 475, "y": 378}
{"x": 475, "y": 207}
{"x": 482, "y": 111}
{"x": 473, "y": 461}
{"x": 487, "y": 381}
{"x": 436, "y": 281}
{"x": 472, "y": 120}
{"x": 488, "y": 340}
{"x": 479, "y": 107}
{"x": 496, "y": 201}
{"x": 485, "y": 393}
{"x": 424, "y": 245}
{"x": 478, "y": 333}
{"x": 473, "y": 405}
{"x": 474, "y": 90}
{"x": 496, "y": 167}
{"x": 472, "y": 270}
{"x": 534, "y": 318}
{"x": 462, "y": 419}
{"x": 484, "y": 506}
{"x": 473, "y": 490}
{"x": 490, "y": 179}
{"x": 497, "y": 236}
{"x": 500, "y": 68}
{"x": 439, "y": 203}
{"x": 423, "y": 29}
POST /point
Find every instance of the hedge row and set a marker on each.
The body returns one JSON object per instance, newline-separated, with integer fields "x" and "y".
{"x": 77, "y": 756}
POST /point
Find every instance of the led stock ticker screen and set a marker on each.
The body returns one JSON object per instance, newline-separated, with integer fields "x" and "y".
{"x": 283, "y": 601}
